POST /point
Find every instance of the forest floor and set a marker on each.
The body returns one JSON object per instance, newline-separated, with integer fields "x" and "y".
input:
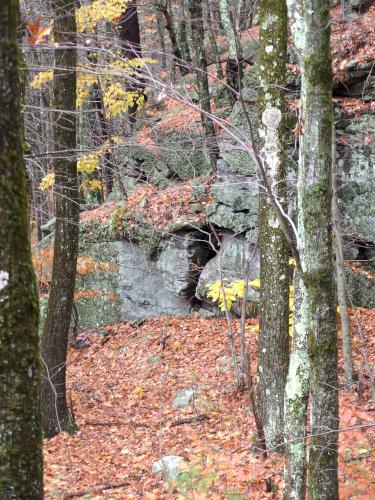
{"x": 122, "y": 383}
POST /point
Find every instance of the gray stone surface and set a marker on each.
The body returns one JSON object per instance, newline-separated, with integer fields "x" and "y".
{"x": 123, "y": 284}
{"x": 142, "y": 288}
{"x": 181, "y": 260}
{"x": 169, "y": 466}
{"x": 231, "y": 259}
{"x": 235, "y": 198}
{"x": 361, "y": 287}
{"x": 48, "y": 227}
{"x": 184, "y": 398}
{"x": 356, "y": 162}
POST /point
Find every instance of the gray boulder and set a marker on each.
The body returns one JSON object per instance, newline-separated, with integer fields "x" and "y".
{"x": 184, "y": 398}
{"x": 356, "y": 163}
{"x": 170, "y": 466}
{"x": 235, "y": 198}
{"x": 231, "y": 259}
{"x": 181, "y": 260}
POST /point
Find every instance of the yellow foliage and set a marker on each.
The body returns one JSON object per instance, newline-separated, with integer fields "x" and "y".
{"x": 85, "y": 81}
{"x": 138, "y": 392}
{"x": 117, "y": 100}
{"x": 95, "y": 185}
{"x": 89, "y": 163}
{"x": 99, "y": 10}
{"x": 40, "y": 79}
{"x": 47, "y": 181}
{"x": 226, "y": 295}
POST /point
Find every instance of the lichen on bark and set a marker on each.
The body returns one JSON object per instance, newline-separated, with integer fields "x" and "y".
{"x": 274, "y": 308}
{"x": 21, "y": 461}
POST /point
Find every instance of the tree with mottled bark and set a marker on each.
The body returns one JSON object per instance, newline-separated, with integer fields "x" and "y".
{"x": 234, "y": 68}
{"x": 342, "y": 289}
{"x": 200, "y": 62}
{"x": 21, "y": 460}
{"x": 56, "y": 414}
{"x": 316, "y": 324}
{"x": 165, "y": 8}
{"x": 274, "y": 291}
{"x": 183, "y": 31}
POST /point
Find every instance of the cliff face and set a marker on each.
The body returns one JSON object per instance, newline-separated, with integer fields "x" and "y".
{"x": 182, "y": 228}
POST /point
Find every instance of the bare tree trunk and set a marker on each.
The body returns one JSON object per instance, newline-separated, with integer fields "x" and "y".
{"x": 21, "y": 460}
{"x": 176, "y": 50}
{"x": 200, "y": 61}
{"x": 274, "y": 290}
{"x": 247, "y": 12}
{"x": 296, "y": 399}
{"x": 311, "y": 33}
{"x": 234, "y": 68}
{"x": 342, "y": 290}
{"x": 183, "y": 32}
{"x": 56, "y": 415}
{"x": 160, "y": 30}
{"x": 212, "y": 37}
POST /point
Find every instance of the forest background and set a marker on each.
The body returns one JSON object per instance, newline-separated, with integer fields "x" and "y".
{"x": 169, "y": 166}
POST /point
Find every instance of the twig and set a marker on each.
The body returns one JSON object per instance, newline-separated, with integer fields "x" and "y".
{"x": 190, "y": 420}
{"x": 99, "y": 489}
{"x": 114, "y": 423}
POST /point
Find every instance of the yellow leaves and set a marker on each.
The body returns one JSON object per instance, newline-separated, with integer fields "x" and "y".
{"x": 85, "y": 81}
{"x": 40, "y": 79}
{"x": 99, "y": 10}
{"x": 117, "y": 100}
{"x": 88, "y": 163}
{"x": 95, "y": 185}
{"x": 226, "y": 295}
{"x": 47, "y": 181}
{"x": 138, "y": 392}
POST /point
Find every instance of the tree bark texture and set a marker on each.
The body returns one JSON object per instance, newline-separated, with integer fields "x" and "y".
{"x": 311, "y": 32}
{"x": 296, "y": 399}
{"x": 200, "y": 61}
{"x": 234, "y": 68}
{"x": 21, "y": 461}
{"x": 56, "y": 415}
{"x": 169, "y": 26}
{"x": 274, "y": 291}
{"x": 183, "y": 32}
{"x": 342, "y": 289}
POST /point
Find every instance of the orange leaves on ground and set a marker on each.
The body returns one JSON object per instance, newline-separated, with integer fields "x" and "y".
{"x": 122, "y": 393}
{"x": 180, "y": 116}
{"x": 144, "y": 139}
{"x": 352, "y": 40}
{"x": 43, "y": 263}
{"x": 163, "y": 207}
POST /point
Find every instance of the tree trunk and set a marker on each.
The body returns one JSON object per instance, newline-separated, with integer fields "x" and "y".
{"x": 131, "y": 48}
{"x": 56, "y": 415}
{"x": 247, "y": 14}
{"x": 296, "y": 398}
{"x": 183, "y": 32}
{"x": 212, "y": 37}
{"x": 342, "y": 289}
{"x": 200, "y": 61}
{"x": 163, "y": 7}
{"x": 274, "y": 291}
{"x": 160, "y": 30}
{"x": 21, "y": 460}
{"x": 311, "y": 33}
{"x": 234, "y": 68}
